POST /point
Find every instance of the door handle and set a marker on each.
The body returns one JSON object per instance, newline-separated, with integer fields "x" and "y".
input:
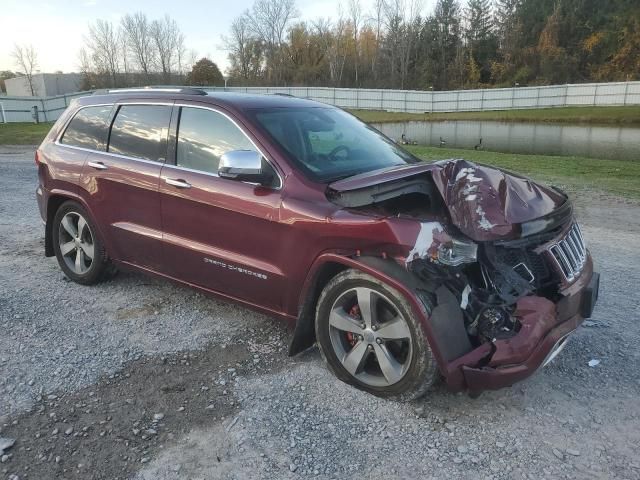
{"x": 178, "y": 183}
{"x": 97, "y": 165}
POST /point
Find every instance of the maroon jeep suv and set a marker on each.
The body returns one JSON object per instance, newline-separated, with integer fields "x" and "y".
{"x": 402, "y": 271}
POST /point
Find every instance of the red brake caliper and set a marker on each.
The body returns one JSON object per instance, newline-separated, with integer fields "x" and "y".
{"x": 354, "y": 312}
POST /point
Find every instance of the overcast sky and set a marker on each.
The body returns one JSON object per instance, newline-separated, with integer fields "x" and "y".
{"x": 56, "y": 27}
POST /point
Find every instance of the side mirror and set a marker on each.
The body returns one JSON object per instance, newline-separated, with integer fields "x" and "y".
{"x": 243, "y": 165}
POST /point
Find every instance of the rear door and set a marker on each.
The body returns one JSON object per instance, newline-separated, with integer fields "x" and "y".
{"x": 122, "y": 183}
{"x": 218, "y": 233}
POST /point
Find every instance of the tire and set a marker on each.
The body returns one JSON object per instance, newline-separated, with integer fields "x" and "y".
{"x": 82, "y": 256}
{"x": 393, "y": 333}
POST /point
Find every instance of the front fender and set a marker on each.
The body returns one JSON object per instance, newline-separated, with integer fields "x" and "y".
{"x": 385, "y": 270}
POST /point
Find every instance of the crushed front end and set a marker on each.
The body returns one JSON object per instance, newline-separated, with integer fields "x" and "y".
{"x": 501, "y": 265}
{"x": 529, "y": 285}
{"x": 504, "y": 315}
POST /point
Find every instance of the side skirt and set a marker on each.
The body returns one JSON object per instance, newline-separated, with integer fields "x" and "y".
{"x": 267, "y": 311}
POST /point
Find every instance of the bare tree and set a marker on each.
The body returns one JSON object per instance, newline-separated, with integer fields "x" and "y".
{"x": 355, "y": 12}
{"x": 137, "y": 30}
{"x": 104, "y": 49}
{"x": 86, "y": 68}
{"x": 378, "y": 10}
{"x": 402, "y": 20}
{"x": 181, "y": 52}
{"x": 26, "y": 59}
{"x": 84, "y": 62}
{"x": 166, "y": 37}
{"x": 192, "y": 58}
{"x": 126, "y": 66}
{"x": 334, "y": 44}
{"x": 238, "y": 45}
{"x": 268, "y": 20}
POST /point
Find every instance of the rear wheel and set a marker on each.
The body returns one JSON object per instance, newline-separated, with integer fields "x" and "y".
{"x": 370, "y": 337}
{"x": 78, "y": 248}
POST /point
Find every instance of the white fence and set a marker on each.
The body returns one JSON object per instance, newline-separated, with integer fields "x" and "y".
{"x": 19, "y": 109}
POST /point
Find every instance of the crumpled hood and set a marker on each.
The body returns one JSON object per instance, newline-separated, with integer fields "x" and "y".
{"x": 484, "y": 203}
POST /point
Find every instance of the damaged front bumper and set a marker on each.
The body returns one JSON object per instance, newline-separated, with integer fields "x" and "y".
{"x": 545, "y": 328}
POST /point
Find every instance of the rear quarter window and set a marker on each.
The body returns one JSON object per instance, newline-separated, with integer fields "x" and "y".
{"x": 140, "y": 131}
{"x": 88, "y": 128}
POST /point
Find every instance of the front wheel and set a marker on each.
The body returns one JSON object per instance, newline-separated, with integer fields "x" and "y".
{"x": 370, "y": 337}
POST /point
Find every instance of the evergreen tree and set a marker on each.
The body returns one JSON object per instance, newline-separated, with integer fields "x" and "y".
{"x": 480, "y": 37}
{"x": 448, "y": 39}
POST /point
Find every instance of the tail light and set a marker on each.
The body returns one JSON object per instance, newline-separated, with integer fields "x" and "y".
{"x": 38, "y": 162}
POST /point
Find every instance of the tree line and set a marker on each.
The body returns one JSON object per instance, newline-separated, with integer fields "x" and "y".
{"x": 394, "y": 44}
{"x": 136, "y": 50}
{"x": 133, "y": 51}
{"x": 478, "y": 43}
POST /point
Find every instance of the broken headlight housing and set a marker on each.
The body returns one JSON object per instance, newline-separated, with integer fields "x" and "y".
{"x": 457, "y": 251}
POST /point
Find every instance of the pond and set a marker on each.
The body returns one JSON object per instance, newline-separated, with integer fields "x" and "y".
{"x": 611, "y": 142}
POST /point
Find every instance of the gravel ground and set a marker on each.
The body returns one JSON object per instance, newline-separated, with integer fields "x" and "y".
{"x": 139, "y": 378}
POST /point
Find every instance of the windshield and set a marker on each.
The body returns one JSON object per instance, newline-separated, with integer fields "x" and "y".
{"x": 329, "y": 144}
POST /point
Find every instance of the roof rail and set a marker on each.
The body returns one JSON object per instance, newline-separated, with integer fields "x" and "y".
{"x": 280, "y": 94}
{"x": 160, "y": 89}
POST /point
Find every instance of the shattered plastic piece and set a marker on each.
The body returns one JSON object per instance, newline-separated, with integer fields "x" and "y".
{"x": 594, "y": 362}
{"x": 233, "y": 422}
{"x": 424, "y": 241}
{"x": 465, "y": 297}
{"x": 6, "y": 443}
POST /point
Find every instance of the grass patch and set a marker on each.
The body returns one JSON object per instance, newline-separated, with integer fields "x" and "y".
{"x": 577, "y": 115}
{"x": 574, "y": 173}
{"x": 23, "y": 133}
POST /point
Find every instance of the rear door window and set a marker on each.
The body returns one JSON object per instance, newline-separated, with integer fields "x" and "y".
{"x": 89, "y": 128}
{"x": 204, "y": 136}
{"x": 140, "y": 131}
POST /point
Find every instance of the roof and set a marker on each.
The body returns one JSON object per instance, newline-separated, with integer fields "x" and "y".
{"x": 232, "y": 100}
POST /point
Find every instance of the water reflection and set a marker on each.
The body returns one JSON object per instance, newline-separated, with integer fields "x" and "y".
{"x": 618, "y": 143}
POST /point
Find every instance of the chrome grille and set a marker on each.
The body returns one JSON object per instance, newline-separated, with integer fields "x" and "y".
{"x": 570, "y": 253}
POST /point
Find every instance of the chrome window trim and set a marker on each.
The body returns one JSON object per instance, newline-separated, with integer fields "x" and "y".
{"x": 192, "y": 170}
{"x": 143, "y": 160}
{"x": 232, "y": 120}
{"x": 112, "y": 104}
{"x": 164, "y": 162}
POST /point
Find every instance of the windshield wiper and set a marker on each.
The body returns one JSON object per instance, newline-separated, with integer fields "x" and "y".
{"x": 342, "y": 176}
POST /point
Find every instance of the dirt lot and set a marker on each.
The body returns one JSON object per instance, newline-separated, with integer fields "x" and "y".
{"x": 139, "y": 378}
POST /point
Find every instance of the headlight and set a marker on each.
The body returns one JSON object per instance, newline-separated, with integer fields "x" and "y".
{"x": 457, "y": 251}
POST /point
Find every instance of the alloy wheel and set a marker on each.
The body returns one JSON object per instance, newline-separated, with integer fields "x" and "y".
{"x": 370, "y": 337}
{"x": 76, "y": 243}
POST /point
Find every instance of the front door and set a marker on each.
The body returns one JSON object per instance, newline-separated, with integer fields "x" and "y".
{"x": 218, "y": 233}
